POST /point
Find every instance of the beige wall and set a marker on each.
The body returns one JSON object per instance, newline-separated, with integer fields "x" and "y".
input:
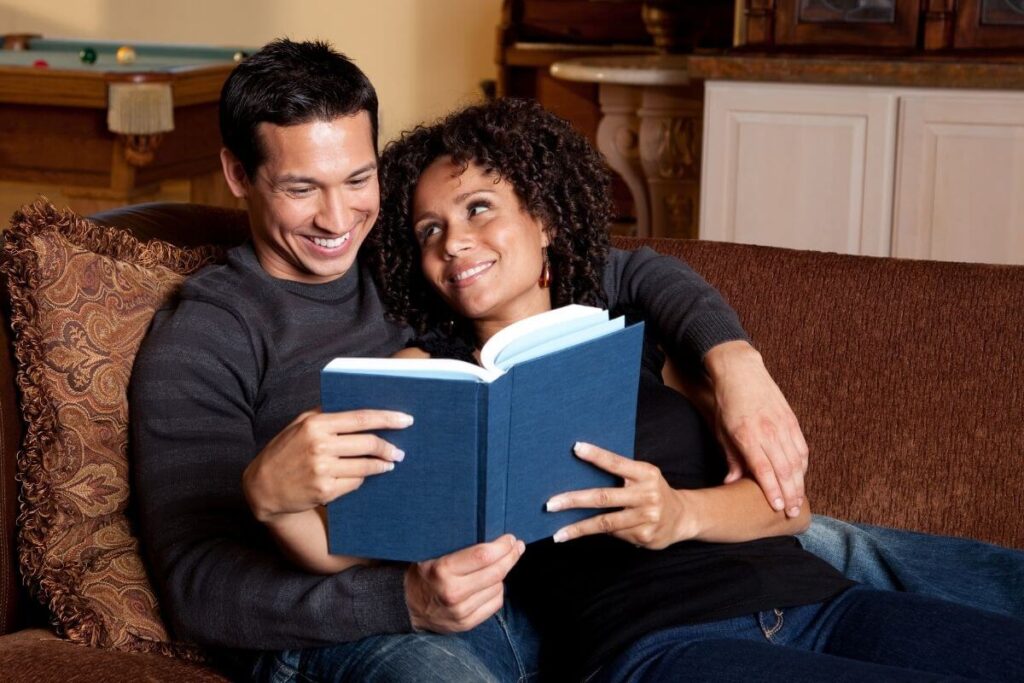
{"x": 425, "y": 56}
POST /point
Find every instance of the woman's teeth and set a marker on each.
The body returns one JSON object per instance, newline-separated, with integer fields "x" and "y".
{"x": 472, "y": 271}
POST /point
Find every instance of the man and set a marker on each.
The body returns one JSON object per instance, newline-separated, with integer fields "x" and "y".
{"x": 230, "y": 447}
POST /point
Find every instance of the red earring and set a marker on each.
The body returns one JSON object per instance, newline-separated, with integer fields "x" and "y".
{"x": 545, "y": 274}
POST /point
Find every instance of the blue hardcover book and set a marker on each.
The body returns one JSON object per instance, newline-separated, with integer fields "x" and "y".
{"x": 491, "y": 443}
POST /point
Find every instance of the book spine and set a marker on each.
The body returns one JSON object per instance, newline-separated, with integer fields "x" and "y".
{"x": 499, "y": 411}
{"x": 482, "y": 498}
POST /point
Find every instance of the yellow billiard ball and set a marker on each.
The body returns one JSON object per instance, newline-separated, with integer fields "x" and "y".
{"x": 125, "y": 54}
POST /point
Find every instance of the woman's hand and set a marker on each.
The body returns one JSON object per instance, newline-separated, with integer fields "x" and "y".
{"x": 652, "y": 514}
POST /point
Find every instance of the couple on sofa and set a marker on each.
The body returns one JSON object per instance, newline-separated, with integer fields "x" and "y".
{"x": 496, "y": 213}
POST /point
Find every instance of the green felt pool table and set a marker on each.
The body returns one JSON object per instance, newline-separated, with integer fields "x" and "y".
{"x": 109, "y": 133}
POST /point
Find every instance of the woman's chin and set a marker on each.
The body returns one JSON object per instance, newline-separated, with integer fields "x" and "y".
{"x": 469, "y": 308}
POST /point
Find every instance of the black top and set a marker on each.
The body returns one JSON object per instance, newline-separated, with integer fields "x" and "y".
{"x": 595, "y": 595}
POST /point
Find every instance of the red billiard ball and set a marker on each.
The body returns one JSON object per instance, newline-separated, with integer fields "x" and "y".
{"x": 41, "y": 64}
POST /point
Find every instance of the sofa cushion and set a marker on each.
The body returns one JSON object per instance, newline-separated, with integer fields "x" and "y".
{"x": 81, "y": 299}
{"x": 36, "y": 654}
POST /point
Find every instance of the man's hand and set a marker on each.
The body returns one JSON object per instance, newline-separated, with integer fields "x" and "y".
{"x": 756, "y": 426}
{"x": 318, "y": 457}
{"x": 461, "y": 590}
{"x": 652, "y": 514}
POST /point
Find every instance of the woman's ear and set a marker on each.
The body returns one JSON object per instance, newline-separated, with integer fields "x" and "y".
{"x": 545, "y": 238}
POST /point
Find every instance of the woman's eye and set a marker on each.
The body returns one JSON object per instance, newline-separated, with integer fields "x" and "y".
{"x": 427, "y": 231}
{"x": 477, "y": 208}
{"x": 359, "y": 182}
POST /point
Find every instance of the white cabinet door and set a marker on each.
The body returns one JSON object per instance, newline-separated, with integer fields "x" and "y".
{"x": 807, "y": 167}
{"x": 960, "y": 178}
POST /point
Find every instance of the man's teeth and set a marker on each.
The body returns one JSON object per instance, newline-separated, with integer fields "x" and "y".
{"x": 331, "y": 243}
{"x": 471, "y": 272}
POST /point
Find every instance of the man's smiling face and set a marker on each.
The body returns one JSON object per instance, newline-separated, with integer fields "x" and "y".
{"x": 314, "y": 198}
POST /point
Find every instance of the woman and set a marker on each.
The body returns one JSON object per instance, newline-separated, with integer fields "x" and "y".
{"x": 500, "y": 212}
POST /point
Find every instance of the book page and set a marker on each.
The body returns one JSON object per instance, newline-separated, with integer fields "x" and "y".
{"x": 563, "y": 342}
{"x": 536, "y": 330}
{"x": 425, "y": 368}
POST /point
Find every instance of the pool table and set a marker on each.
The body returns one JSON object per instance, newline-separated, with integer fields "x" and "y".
{"x": 106, "y": 133}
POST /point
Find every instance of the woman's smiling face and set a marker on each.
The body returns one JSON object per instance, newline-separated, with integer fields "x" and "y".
{"x": 479, "y": 247}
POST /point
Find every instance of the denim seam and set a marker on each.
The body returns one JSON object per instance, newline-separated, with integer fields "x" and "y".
{"x": 292, "y": 673}
{"x": 772, "y": 631}
{"x": 512, "y": 646}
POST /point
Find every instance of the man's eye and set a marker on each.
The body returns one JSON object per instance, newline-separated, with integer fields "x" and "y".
{"x": 300, "y": 191}
{"x": 359, "y": 182}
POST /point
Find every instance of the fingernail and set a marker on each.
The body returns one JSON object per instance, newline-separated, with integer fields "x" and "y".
{"x": 521, "y": 547}
{"x": 581, "y": 448}
{"x": 390, "y": 467}
{"x": 794, "y": 511}
{"x": 398, "y": 455}
{"x": 554, "y": 505}
{"x": 561, "y": 536}
{"x": 405, "y": 420}
{"x": 778, "y": 504}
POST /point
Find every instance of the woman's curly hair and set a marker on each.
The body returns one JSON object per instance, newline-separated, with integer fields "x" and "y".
{"x": 558, "y": 177}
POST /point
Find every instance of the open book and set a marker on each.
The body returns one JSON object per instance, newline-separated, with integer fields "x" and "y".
{"x": 490, "y": 443}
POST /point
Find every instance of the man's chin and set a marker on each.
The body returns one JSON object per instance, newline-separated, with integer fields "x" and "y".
{"x": 330, "y": 274}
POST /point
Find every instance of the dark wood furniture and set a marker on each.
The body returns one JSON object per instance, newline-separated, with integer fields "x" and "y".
{"x": 894, "y": 25}
{"x": 990, "y": 24}
{"x": 885, "y": 23}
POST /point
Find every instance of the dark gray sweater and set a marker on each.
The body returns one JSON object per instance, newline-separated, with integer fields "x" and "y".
{"x": 226, "y": 368}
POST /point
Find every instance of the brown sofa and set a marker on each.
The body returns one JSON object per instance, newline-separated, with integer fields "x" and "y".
{"x": 908, "y": 377}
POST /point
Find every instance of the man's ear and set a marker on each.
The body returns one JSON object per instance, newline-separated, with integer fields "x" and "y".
{"x": 234, "y": 173}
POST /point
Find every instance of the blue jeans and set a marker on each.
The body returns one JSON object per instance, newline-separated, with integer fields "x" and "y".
{"x": 503, "y": 648}
{"x": 960, "y": 570}
{"x": 861, "y": 635}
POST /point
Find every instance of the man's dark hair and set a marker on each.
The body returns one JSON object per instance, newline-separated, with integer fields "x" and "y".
{"x": 287, "y": 84}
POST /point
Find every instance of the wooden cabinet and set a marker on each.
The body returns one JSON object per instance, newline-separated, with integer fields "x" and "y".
{"x": 935, "y": 174}
{"x": 893, "y": 25}
{"x": 990, "y": 24}
{"x": 806, "y": 167}
{"x": 862, "y": 23}
{"x": 960, "y": 177}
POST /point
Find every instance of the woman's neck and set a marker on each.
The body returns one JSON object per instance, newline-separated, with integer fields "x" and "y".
{"x": 485, "y": 328}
